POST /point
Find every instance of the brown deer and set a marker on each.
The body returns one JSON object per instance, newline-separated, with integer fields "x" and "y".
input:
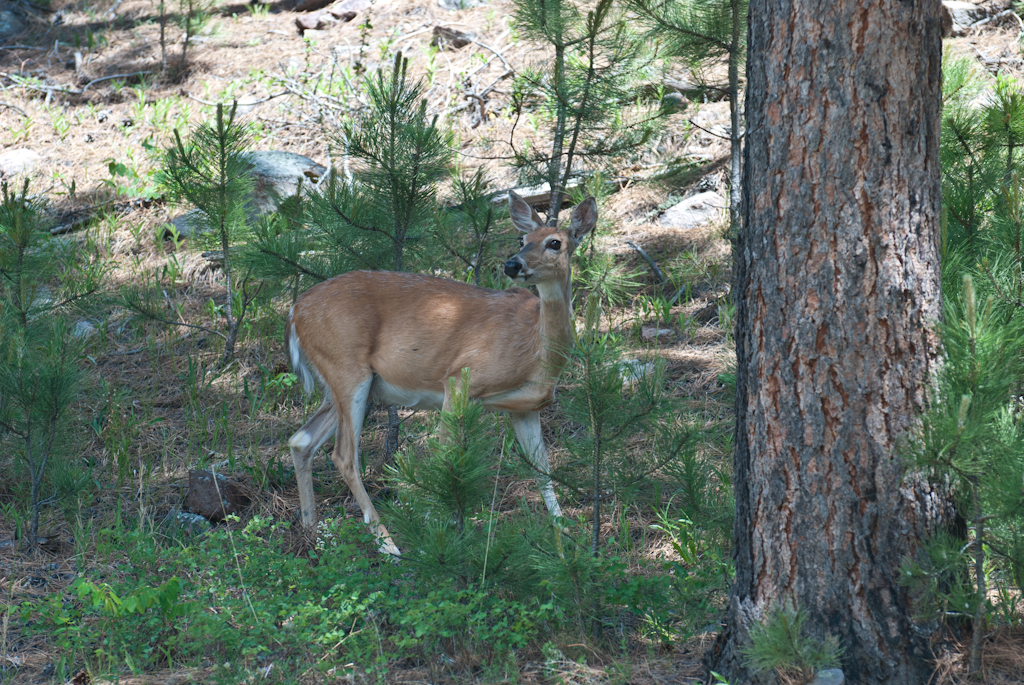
{"x": 399, "y": 337}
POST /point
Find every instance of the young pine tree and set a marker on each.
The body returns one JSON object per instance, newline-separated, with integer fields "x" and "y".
{"x": 973, "y": 439}
{"x": 587, "y": 89}
{"x": 444, "y": 513}
{"x": 629, "y": 434}
{"x": 699, "y": 32}
{"x": 383, "y": 217}
{"x": 972, "y": 436}
{"x": 468, "y": 233}
{"x": 40, "y": 372}
{"x": 211, "y": 172}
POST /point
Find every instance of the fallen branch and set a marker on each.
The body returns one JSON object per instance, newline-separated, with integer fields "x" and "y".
{"x": 244, "y": 104}
{"x": 16, "y": 109}
{"x": 20, "y": 82}
{"x": 654, "y": 266}
{"x": 111, "y": 78}
{"x": 1005, "y": 13}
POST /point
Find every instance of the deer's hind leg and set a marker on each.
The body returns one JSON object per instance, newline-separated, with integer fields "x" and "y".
{"x": 303, "y": 445}
{"x": 350, "y": 414}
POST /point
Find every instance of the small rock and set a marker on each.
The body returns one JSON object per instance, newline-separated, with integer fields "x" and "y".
{"x": 83, "y": 329}
{"x": 310, "y": 22}
{"x": 10, "y": 24}
{"x": 341, "y": 15}
{"x": 446, "y": 36}
{"x": 452, "y": 5}
{"x": 183, "y": 521}
{"x": 213, "y": 501}
{"x": 276, "y": 176}
{"x": 247, "y": 104}
{"x": 19, "y": 161}
{"x": 962, "y": 15}
{"x": 706, "y": 313}
{"x": 313, "y": 34}
{"x": 830, "y": 676}
{"x": 947, "y": 21}
{"x": 652, "y": 332}
{"x": 673, "y": 100}
{"x": 186, "y": 224}
{"x": 102, "y": 115}
{"x": 633, "y": 370}
{"x": 351, "y": 5}
{"x": 697, "y": 210}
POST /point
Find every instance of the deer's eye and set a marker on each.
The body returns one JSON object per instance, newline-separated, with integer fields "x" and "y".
{"x": 555, "y": 245}
{"x": 522, "y": 240}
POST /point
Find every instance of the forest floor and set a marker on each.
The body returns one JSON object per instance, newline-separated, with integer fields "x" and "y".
{"x": 82, "y": 87}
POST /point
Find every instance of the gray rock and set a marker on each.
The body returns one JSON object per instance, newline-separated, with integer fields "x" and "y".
{"x": 246, "y": 105}
{"x": 19, "y": 161}
{"x": 633, "y": 371}
{"x": 276, "y": 178}
{"x": 310, "y": 22}
{"x": 342, "y": 12}
{"x": 830, "y": 676}
{"x": 315, "y": 34}
{"x": 452, "y": 5}
{"x": 963, "y": 15}
{"x": 444, "y": 35}
{"x": 278, "y": 175}
{"x": 10, "y": 24}
{"x": 185, "y": 224}
{"x": 696, "y": 210}
{"x": 186, "y": 523}
{"x": 83, "y": 329}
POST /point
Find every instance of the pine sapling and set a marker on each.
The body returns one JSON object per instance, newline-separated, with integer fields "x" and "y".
{"x": 212, "y": 173}
{"x": 40, "y": 374}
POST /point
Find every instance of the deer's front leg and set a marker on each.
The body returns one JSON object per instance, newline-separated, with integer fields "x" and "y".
{"x": 527, "y": 428}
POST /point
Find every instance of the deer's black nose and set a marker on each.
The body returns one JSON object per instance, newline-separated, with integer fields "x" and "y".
{"x": 513, "y": 267}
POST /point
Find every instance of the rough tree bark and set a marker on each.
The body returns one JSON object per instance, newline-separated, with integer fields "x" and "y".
{"x": 837, "y": 284}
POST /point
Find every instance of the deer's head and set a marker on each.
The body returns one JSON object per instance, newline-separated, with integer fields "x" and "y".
{"x": 546, "y": 252}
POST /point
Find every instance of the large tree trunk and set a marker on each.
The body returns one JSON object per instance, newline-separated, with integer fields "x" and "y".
{"x": 837, "y": 286}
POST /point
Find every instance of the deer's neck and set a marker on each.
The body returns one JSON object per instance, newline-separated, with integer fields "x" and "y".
{"x": 556, "y": 324}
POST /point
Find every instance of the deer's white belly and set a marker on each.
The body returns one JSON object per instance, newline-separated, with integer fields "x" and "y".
{"x": 416, "y": 399}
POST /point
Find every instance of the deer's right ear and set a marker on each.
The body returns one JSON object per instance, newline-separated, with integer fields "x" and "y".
{"x": 524, "y": 217}
{"x": 584, "y": 218}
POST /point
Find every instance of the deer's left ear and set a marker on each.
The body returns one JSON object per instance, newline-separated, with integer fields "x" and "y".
{"x": 524, "y": 217}
{"x": 584, "y": 218}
